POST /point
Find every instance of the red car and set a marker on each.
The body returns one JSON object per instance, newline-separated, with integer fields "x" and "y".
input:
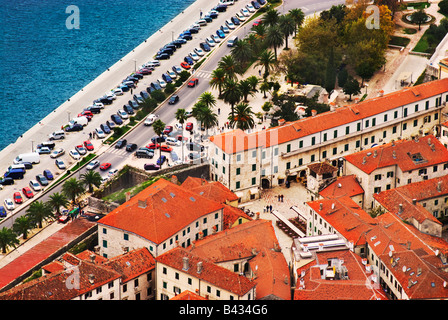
{"x": 168, "y": 129}
{"x": 17, "y": 197}
{"x": 27, "y": 192}
{"x": 185, "y": 65}
{"x": 145, "y": 71}
{"x": 257, "y": 22}
{"x": 193, "y": 82}
{"x": 189, "y": 126}
{"x": 105, "y": 166}
{"x": 88, "y": 145}
{"x": 153, "y": 146}
{"x": 166, "y": 148}
{"x": 87, "y": 114}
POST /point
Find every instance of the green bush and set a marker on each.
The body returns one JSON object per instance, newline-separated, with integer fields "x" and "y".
{"x": 158, "y": 95}
{"x": 170, "y": 88}
{"x": 184, "y": 75}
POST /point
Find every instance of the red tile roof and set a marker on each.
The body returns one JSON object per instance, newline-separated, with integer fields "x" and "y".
{"x": 358, "y": 286}
{"x": 343, "y": 186}
{"x": 132, "y": 264}
{"x": 344, "y": 215}
{"x": 211, "y": 273}
{"x": 401, "y": 153}
{"x": 213, "y": 190}
{"x": 237, "y": 140}
{"x": 187, "y": 295}
{"x": 160, "y": 211}
{"x": 254, "y": 240}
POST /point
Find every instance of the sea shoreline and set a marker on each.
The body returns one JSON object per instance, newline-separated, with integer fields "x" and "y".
{"x": 106, "y": 81}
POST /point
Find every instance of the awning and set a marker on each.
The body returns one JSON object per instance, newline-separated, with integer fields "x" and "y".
{"x": 239, "y": 194}
{"x": 253, "y": 191}
{"x": 281, "y": 176}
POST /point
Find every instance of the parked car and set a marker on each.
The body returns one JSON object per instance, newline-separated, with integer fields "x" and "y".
{"x": 204, "y": 46}
{"x": 220, "y": 33}
{"x": 161, "y": 160}
{"x": 194, "y": 56}
{"x": 105, "y": 128}
{"x": 185, "y": 65}
{"x": 100, "y": 133}
{"x": 172, "y": 74}
{"x": 144, "y": 153}
{"x": 150, "y": 119}
{"x": 210, "y": 41}
{"x": 129, "y": 110}
{"x": 43, "y": 150}
{"x": 122, "y": 114}
{"x": 105, "y": 166}
{"x": 9, "y": 204}
{"x": 189, "y": 126}
{"x": 168, "y": 130}
{"x": 27, "y": 192}
{"x": 81, "y": 150}
{"x": 177, "y": 69}
{"x": 199, "y": 52}
{"x": 88, "y": 145}
{"x": 257, "y": 22}
{"x": 215, "y": 38}
{"x": 151, "y": 166}
{"x": 74, "y": 128}
{"x": 116, "y": 119}
{"x": 172, "y": 141}
{"x": 41, "y": 179}
{"x": 47, "y": 174}
{"x": 250, "y": 8}
{"x": 57, "y": 153}
{"x": 17, "y": 197}
{"x": 188, "y": 60}
{"x": 74, "y": 154}
{"x": 153, "y": 146}
{"x": 2, "y": 212}
{"x": 60, "y": 164}
{"x": 192, "y": 146}
{"x": 166, "y": 148}
{"x": 162, "y": 83}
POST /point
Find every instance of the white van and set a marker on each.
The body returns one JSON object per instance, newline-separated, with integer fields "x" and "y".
{"x": 57, "y": 135}
{"x": 232, "y": 41}
{"x": 27, "y": 157}
{"x": 227, "y": 2}
{"x": 81, "y": 120}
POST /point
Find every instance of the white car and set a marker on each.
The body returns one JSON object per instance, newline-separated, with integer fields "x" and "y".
{"x": 153, "y": 63}
{"x": 225, "y": 29}
{"x": 123, "y": 114}
{"x": 245, "y": 12}
{"x": 172, "y": 74}
{"x": 178, "y": 126}
{"x": 194, "y": 56}
{"x": 35, "y": 185}
{"x": 9, "y": 204}
{"x": 177, "y": 69}
{"x": 99, "y": 104}
{"x": 74, "y": 154}
{"x": 210, "y": 42}
{"x": 112, "y": 172}
{"x": 110, "y": 95}
{"x": 199, "y": 52}
{"x": 60, "y": 164}
{"x": 150, "y": 119}
{"x": 240, "y": 17}
{"x": 162, "y": 83}
{"x": 215, "y": 38}
{"x": 92, "y": 165}
{"x": 57, "y": 153}
{"x": 195, "y": 25}
{"x": 118, "y": 92}
{"x": 230, "y": 25}
{"x": 100, "y": 133}
{"x": 250, "y": 8}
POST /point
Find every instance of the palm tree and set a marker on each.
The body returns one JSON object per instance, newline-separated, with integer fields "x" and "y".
{"x": 253, "y": 80}
{"x": 72, "y": 188}
{"x": 22, "y": 225}
{"x": 245, "y": 88}
{"x": 218, "y": 80}
{"x": 298, "y": 17}
{"x": 91, "y": 178}
{"x": 39, "y": 211}
{"x": 287, "y": 27}
{"x": 58, "y": 200}
{"x": 265, "y": 87}
{"x": 228, "y": 64}
{"x": 208, "y": 99}
{"x": 271, "y": 17}
{"x": 231, "y": 93}
{"x": 8, "y": 239}
{"x": 274, "y": 38}
{"x": 181, "y": 117}
{"x": 243, "y": 118}
{"x": 158, "y": 127}
{"x": 209, "y": 119}
{"x": 242, "y": 52}
{"x": 266, "y": 59}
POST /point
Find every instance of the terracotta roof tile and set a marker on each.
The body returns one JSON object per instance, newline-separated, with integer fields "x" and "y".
{"x": 132, "y": 264}
{"x": 343, "y": 186}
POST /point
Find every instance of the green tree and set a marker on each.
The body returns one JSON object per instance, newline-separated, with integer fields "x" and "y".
{"x": 8, "y": 239}
{"x": 208, "y": 99}
{"x": 209, "y": 119}
{"x": 287, "y": 26}
{"x": 22, "y": 225}
{"x": 158, "y": 127}
{"x": 231, "y": 93}
{"x": 351, "y": 87}
{"x": 265, "y": 87}
{"x": 39, "y": 211}
{"x": 181, "y": 117}
{"x": 298, "y": 17}
{"x": 218, "y": 80}
{"x": 73, "y": 188}
{"x": 274, "y": 38}
{"x": 419, "y": 17}
{"x": 271, "y": 17}
{"x": 245, "y": 88}
{"x": 228, "y": 64}
{"x": 342, "y": 77}
{"x": 267, "y": 60}
{"x": 242, "y": 52}
{"x": 253, "y": 81}
{"x": 91, "y": 178}
{"x": 243, "y": 118}
{"x": 58, "y": 200}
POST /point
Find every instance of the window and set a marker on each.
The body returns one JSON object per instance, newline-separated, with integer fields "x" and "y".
{"x": 104, "y": 231}
{"x": 313, "y": 141}
{"x": 313, "y": 158}
{"x": 436, "y": 116}
{"x": 421, "y": 171}
{"x": 434, "y": 169}
{"x": 405, "y": 126}
{"x": 218, "y": 293}
{"x": 176, "y": 275}
{"x": 254, "y": 181}
{"x": 377, "y": 190}
{"x": 377, "y": 177}
{"x": 373, "y": 122}
{"x": 288, "y": 148}
{"x": 104, "y": 243}
{"x": 301, "y": 161}
{"x": 385, "y": 118}
{"x": 358, "y": 126}
{"x": 237, "y": 185}
{"x": 405, "y": 112}
{"x": 254, "y": 154}
{"x": 324, "y": 154}
{"x": 276, "y": 152}
{"x": 335, "y": 133}
{"x": 395, "y": 114}
{"x": 325, "y": 136}
{"x": 254, "y": 167}
{"x": 358, "y": 143}
{"x": 390, "y": 174}
{"x": 394, "y": 129}
{"x": 216, "y": 215}
{"x": 384, "y": 134}
{"x": 125, "y": 236}
{"x": 416, "y": 108}
{"x": 372, "y": 139}
{"x": 335, "y": 150}
{"x": 346, "y": 147}
{"x": 301, "y": 144}
{"x": 415, "y": 122}
{"x": 236, "y": 267}
{"x": 238, "y": 157}
{"x": 275, "y": 169}
{"x": 366, "y": 141}
{"x": 347, "y": 130}
{"x": 238, "y": 171}
{"x": 223, "y": 169}
{"x": 288, "y": 165}
{"x": 190, "y": 281}
{"x": 136, "y": 283}
{"x": 164, "y": 270}
{"x": 367, "y": 123}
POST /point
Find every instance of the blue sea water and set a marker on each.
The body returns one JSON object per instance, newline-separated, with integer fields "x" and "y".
{"x": 43, "y": 63}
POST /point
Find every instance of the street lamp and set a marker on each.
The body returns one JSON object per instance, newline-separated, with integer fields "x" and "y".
{"x": 135, "y": 64}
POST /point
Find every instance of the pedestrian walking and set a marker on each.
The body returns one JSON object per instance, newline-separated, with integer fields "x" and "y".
{"x": 219, "y": 111}
{"x": 270, "y": 208}
{"x": 90, "y": 135}
{"x": 259, "y": 72}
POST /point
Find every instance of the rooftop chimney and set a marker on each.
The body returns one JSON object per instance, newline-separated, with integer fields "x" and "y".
{"x": 439, "y": 186}
{"x": 313, "y": 112}
{"x": 400, "y": 208}
{"x": 142, "y": 204}
{"x": 281, "y": 122}
{"x": 128, "y": 196}
{"x": 394, "y": 154}
{"x": 92, "y": 258}
{"x": 91, "y": 278}
{"x": 320, "y": 206}
{"x": 364, "y": 160}
{"x": 199, "y": 267}
{"x": 185, "y": 263}
{"x": 381, "y": 93}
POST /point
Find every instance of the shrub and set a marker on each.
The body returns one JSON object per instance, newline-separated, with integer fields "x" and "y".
{"x": 158, "y": 95}
{"x": 170, "y": 88}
